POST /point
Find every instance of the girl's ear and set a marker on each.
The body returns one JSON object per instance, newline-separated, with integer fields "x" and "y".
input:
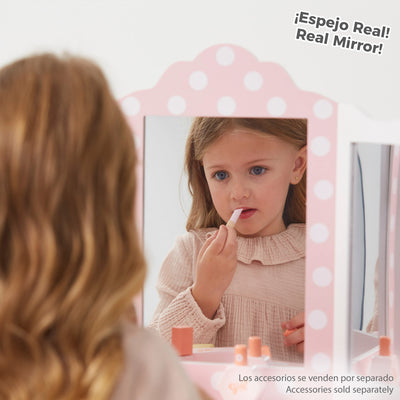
{"x": 300, "y": 165}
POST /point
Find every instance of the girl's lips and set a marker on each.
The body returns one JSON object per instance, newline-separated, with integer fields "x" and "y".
{"x": 247, "y": 213}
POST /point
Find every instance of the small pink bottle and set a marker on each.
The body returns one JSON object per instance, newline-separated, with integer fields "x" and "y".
{"x": 239, "y": 381}
{"x": 384, "y": 363}
{"x": 182, "y": 340}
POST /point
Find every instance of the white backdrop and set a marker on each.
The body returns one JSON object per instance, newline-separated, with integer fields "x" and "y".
{"x": 136, "y": 40}
{"x": 166, "y": 197}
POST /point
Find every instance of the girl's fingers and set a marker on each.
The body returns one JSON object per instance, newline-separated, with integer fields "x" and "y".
{"x": 225, "y": 243}
{"x": 224, "y": 239}
{"x": 218, "y": 244}
{"x": 296, "y": 337}
{"x": 231, "y": 243}
{"x": 294, "y": 333}
{"x": 300, "y": 347}
{"x": 206, "y": 244}
{"x": 296, "y": 322}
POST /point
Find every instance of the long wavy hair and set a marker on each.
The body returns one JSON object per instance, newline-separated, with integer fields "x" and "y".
{"x": 70, "y": 260}
{"x": 204, "y": 131}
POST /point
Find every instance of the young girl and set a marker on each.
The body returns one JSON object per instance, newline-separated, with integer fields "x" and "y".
{"x": 70, "y": 260}
{"x": 232, "y": 283}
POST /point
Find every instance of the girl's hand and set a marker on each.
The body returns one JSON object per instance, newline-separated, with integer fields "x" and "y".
{"x": 295, "y": 338}
{"x": 216, "y": 265}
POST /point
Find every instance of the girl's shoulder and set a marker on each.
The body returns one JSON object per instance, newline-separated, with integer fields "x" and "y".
{"x": 149, "y": 359}
{"x": 190, "y": 242}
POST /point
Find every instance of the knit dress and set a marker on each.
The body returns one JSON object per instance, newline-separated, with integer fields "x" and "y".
{"x": 267, "y": 288}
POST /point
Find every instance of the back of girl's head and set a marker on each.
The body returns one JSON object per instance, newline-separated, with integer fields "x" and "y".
{"x": 70, "y": 261}
{"x": 205, "y": 130}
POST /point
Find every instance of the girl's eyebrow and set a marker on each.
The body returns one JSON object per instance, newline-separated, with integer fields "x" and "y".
{"x": 215, "y": 166}
{"x": 256, "y": 161}
{"x": 260, "y": 160}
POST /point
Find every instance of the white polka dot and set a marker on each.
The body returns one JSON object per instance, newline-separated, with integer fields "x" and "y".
{"x": 319, "y": 233}
{"x": 238, "y": 357}
{"x": 394, "y": 186}
{"x": 276, "y": 106}
{"x": 253, "y": 81}
{"x": 321, "y": 363}
{"x": 225, "y": 56}
{"x": 322, "y": 276}
{"x": 391, "y": 299}
{"x": 323, "y": 189}
{"x": 216, "y": 378}
{"x": 392, "y": 222}
{"x": 323, "y": 109}
{"x": 317, "y": 319}
{"x": 226, "y": 105}
{"x": 130, "y": 106}
{"x": 198, "y": 80}
{"x": 176, "y": 105}
{"x": 391, "y": 260}
{"x": 320, "y": 146}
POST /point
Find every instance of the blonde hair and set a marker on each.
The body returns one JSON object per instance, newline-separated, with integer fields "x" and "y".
{"x": 70, "y": 261}
{"x": 204, "y": 131}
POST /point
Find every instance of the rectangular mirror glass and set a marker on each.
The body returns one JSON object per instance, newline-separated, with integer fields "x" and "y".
{"x": 167, "y": 203}
{"x": 369, "y": 216}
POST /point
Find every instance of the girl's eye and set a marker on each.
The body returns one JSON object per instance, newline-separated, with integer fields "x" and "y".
{"x": 221, "y": 175}
{"x": 257, "y": 170}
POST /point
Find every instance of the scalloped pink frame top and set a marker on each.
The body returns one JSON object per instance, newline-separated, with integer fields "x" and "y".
{"x": 226, "y": 80}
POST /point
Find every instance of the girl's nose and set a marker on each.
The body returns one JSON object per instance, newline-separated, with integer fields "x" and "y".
{"x": 239, "y": 190}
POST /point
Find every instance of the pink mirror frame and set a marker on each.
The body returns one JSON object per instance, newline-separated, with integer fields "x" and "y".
{"x": 226, "y": 80}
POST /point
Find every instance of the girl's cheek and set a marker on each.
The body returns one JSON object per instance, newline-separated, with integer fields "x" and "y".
{"x": 217, "y": 189}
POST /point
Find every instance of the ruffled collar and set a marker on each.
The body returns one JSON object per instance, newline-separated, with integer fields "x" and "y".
{"x": 281, "y": 248}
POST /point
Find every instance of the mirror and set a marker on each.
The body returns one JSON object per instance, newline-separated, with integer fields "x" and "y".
{"x": 264, "y": 263}
{"x": 227, "y": 80}
{"x": 394, "y": 262}
{"x": 166, "y": 207}
{"x": 372, "y": 225}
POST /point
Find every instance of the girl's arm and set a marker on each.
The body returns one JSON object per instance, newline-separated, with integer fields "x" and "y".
{"x": 216, "y": 266}
{"x": 177, "y": 307}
